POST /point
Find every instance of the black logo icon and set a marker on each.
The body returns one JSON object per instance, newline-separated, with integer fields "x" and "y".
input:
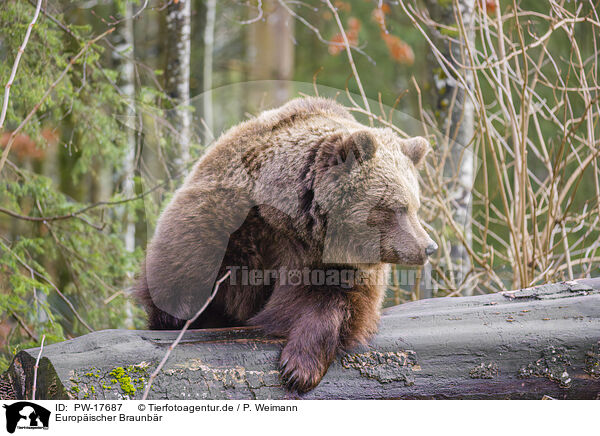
{"x": 26, "y": 415}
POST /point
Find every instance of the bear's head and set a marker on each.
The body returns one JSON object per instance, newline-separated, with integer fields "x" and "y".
{"x": 366, "y": 185}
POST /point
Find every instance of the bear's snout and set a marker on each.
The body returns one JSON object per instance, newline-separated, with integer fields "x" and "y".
{"x": 403, "y": 240}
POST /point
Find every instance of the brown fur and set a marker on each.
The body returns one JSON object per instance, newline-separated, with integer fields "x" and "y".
{"x": 304, "y": 186}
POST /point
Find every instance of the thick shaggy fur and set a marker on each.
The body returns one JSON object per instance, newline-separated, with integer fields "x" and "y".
{"x": 302, "y": 186}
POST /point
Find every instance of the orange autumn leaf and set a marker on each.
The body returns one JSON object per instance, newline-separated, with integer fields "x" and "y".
{"x": 336, "y": 45}
{"x": 24, "y": 146}
{"x": 337, "y": 42}
{"x": 399, "y": 50}
{"x": 379, "y": 17}
{"x": 488, "y": 5}
{"x": 354, "y": 24}
{"x": 342, "y": 6}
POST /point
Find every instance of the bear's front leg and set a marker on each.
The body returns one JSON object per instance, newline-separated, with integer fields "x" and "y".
{"x": 313, "y": 340}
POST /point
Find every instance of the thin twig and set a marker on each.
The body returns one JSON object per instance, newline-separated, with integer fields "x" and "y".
{"x": 318, "y": 33}
{"x": 133, "y": 17}
{"x": 47, "y": 280}
{"x": 258, "y": 17}
{"x": 33, "y": 111}
{"x": 350, "y": 59}
{"x": 16, "y": 64}
{"x": 35, "y": 368}
{"x": 180, "y": 336}
{"x": 78, "y": 212}
{"x": 24, "y": 326}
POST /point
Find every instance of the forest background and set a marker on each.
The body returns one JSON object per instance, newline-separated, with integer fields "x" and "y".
{"x": 106, "y": 104}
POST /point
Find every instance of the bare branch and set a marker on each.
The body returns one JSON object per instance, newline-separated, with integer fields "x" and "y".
{"x": 350, "y": 59}
{"x": 72, "y": 62}
{"x": 47, "y": 280}
{"x": 16, "y": 65}
{"x": 35, "y": 368}
{"x": 180, "y": 336}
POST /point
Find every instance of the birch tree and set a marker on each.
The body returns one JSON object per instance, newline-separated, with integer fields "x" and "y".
{"x": 123, "y": 56}
{"x": 454, "y": 113}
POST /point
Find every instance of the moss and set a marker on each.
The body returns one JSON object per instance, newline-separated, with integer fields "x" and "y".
{"x": 130, "y": 379}
{"x": 124, "y": 379}
{"x": 592, "y": 361}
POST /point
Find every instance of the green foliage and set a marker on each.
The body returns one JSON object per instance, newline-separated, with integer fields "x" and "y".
{"x": 84, "y": 256}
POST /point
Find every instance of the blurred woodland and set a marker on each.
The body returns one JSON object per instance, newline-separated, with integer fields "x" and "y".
{"x": 107, "y": 103}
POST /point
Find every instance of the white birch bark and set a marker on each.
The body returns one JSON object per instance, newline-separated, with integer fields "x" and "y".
{"x": 124, "y": 59}
{"x": 455, "y": 114}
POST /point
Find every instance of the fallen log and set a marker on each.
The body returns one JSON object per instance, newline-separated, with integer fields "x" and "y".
{"x": 530, "y": 343}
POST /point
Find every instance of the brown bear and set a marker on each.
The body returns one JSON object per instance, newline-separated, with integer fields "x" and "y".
{"x": 306, "y": 208}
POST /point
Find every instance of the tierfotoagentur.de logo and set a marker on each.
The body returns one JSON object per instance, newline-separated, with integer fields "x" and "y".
{"x": 26, "y": 415}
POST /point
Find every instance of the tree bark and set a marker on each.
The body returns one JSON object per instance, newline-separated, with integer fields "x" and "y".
{"x": 271, "y": 56}
{"x": 123, "y": 58}
{"x": 209, "y": 44}
{"x": 531, "y": 343}
{"x": 177, "y": 86}
{"x": 455, "y": 115}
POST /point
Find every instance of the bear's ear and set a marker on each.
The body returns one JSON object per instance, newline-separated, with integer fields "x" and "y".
{"x": 362, "y": 144}
{"x": 416, "y": 149}
{"x": 359, "y": 146}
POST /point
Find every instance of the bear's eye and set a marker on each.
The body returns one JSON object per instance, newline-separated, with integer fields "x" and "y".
{"x": 381, "y": 216}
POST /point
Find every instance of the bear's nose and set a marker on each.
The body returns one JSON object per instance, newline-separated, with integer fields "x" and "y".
{"x": 431, "y": 248}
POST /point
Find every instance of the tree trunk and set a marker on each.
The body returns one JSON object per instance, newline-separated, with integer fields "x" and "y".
{"x": 177, "y": 86}
{"x": 123, "y": 58}
{"x": 271, "y": 56}
{"x": 209, "y": 43}
{"x": 520, "y": 344}
{"x": 455, "y": 115}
